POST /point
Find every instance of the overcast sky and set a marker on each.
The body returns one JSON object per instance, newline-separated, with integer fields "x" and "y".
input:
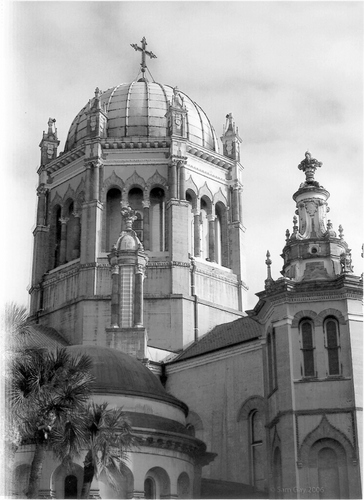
{"x": 290, "y": 72}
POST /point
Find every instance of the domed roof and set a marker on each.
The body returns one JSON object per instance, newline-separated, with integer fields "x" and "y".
{"x": 118, "y": 373}
{"x": 138, "y": 109}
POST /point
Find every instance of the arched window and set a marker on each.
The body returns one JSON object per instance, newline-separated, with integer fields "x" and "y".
{"x": 277, "y": 473}
{"x": 149, "y": 488}
{"x": 55, "y": 237}
{"x": 191, "y": 233}
{"x": 73, "y": 235}
{"x": 272, "y": 361}
{"x": 135, "y": 199}
{"x": 307, "y": 347}
{"x": 70, "y": 486}
{"x": 183, "y": 486}
{"x": 328, "y": 474}
{"x": 221, "y": 235}
{"x": 332, "y": 343}
{"x": 204, "y": 230}
{"x": 256, "y": 449}
{"x": 157, "y": 220}
{"x": 113, "y": 217}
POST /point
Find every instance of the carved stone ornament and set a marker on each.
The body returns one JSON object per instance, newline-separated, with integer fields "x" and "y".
{"x": 129, "y": 216}
{"x": 177, "y": 99}
{"x": 309, "y": 166}
{"x": 346, "y": 263}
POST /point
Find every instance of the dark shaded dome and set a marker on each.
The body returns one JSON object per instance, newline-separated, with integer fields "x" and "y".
{"x": 138, "y": 110}
{"x": 118, "y": 373}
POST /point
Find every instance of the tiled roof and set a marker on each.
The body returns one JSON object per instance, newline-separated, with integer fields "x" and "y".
{"x": 222, "y": 336}
{"x": 45, "y": 336}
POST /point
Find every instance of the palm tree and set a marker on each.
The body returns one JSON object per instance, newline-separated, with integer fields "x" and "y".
{"x": 46, "y": 390}
{"x": 106, "y": 436}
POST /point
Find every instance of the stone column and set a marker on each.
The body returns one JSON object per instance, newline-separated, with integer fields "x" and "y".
{"x": 88, "y": 183}
{"x": 41, "y": 210}
{"x": 197, "y": 231}
{"x": 212, "y": 254}
{"x": 182, "y": 182}
{"x": 146, "y": 224}
{"x": 138, "y": 297}
{"x": 96, "y": 180}
{"x": 235, "y": 203}
{"x": 76, "y": 235}
{"x": 173, "y": 171}
{"x": 241, "y": 205}
{"x": 63, "y": 245}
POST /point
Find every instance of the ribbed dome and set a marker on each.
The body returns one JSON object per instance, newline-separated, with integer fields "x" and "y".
{"x": 138, "y": 110}
{"x": 118, "y": 373}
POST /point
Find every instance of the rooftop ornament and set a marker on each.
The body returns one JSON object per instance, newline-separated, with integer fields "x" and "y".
{"x": 269, "y": 281}
{"x": 309, "y": 166}
{"x": 129, "y": 216}
{"x": 144, "y": 52}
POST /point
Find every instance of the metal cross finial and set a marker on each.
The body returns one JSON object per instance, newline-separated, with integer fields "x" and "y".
{"x": 144, "y": 52}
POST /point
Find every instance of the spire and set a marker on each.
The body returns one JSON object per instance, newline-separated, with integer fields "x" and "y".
{"x": 230, "y": 139}
{"x": 144, "y": 52}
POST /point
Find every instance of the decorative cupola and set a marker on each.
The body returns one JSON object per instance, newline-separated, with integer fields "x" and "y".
{"x": 49, "y": 143}
{"x": 313, "y": 250}
{"x": 230, "y": 139}
{"x": 177, "y": 115}
{"x": 96, "y": 117}
{"x": 128, "y": 262}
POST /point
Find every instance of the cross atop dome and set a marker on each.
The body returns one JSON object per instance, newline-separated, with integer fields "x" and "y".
{"x": 144, "y": 52}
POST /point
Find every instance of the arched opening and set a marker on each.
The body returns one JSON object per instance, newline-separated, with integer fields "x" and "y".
{"x": 256, "y": 449}
{"x": 307, "y": 347}
{"x": 183, "y": 486}
{"x": 328, "y": 474}
{"x": 205, "y": 210}
{"x": 331, "y": 328}
{"x": 55, "y": 237}
{"x": 73, "y": 234}
{"x": 221, "y": 235}
{"x": 159, "y": 484}
{"x": 20, "y": 481}
{"x": 277, "y": 473}
{"x": 157, "y": 220}
{"x": 191, "y": 199}
{"x": 149, "y": 488}
{"x": 70, "y": 486}
{"x": 113, "y": 217}
{"x": 135, "y": 200}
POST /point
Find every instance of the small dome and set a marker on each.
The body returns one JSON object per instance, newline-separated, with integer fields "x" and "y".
{"x": 138, "y": 109}
{"x": 118, "y": 373}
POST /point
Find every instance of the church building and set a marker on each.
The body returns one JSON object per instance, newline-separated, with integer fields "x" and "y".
{"x": 140, "y": 262}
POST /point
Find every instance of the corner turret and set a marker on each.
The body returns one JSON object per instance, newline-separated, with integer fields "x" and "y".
{"x": 313, "y": 250}
{"x": 49, "y": 143}
{"x": 230, "y": 139}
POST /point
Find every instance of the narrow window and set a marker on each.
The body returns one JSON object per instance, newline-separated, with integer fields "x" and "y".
{"x": 149, "y": 488}
{"x": 204, "y": 231}
{"x": 332, "y": 346}
{"x": 157, "y": 220}
{"x": 274, "y": 357}
{"x": 113, "y": 217}
{"x": 58, "y": 231}
{"x": 307, "y": 349}
{"x": 256, "y": 441}
{"x": 70, "y": 487}
{"x": 272, "y": 361}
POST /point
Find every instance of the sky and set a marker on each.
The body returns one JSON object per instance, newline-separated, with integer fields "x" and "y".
{"x": 291, "y": 73}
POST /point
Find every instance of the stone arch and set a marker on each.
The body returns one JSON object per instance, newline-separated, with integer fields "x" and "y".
{"x": 205, "y": 193}
{"x": 69, "y": 195}
{"x": 59, "y": 475}
{"x": 195, "y": 425}
{"x": 113, "y": 181}
{"x": 276, "y": 441}
{"x": 66, "y": 205}
{"x": 161, "y": 480}
{"x": 220, "y": 197}
{"x": 124, "y": 485}
{"x": 20, "y": 481}
{"x": 253, "y": 403}
{"x": 57, "y": 200}
{"x": 303, "y": 314}
{"x": 330, "y": 312}
{"x": 135, "y": 180}
{"x": 80, "y": 191}
{"x": 325, "y": 430}
{"x": 156, "y": 180}
{"x": 184, "y": 486}
{"x": 191, "y": 186}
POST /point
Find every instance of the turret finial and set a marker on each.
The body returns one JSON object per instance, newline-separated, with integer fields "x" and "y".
{"x": 309, "y": 166}
{"x": 129, "y": 216}
{"x": 268, "y": 263}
